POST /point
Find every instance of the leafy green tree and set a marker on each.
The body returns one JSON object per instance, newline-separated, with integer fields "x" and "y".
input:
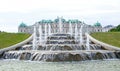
{"x": 117, "y": 29}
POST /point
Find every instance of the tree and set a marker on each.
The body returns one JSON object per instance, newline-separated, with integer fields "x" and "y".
{"x": 116, "y": 29}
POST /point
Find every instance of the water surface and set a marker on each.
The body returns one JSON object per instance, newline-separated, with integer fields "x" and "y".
{"x": 16, "y": 65}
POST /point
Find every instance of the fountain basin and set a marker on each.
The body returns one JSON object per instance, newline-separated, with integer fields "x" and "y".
{"x": 56, "y": 56}
{"x": 16, "y": 65}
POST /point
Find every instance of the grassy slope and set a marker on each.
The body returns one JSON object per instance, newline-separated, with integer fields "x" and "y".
{"x": 8, "y": 39}
{"x": 112, "y": 38}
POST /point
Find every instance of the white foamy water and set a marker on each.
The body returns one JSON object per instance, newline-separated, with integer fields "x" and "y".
{"x": 16, "y": 65}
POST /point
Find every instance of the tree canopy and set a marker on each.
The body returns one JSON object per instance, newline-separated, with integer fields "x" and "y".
{"x": 117, "y": 29}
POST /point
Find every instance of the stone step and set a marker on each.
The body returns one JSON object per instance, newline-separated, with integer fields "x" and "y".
{"x": 75, "y": 51}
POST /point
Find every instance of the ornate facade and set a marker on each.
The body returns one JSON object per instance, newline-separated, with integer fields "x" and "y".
{"x": 65, "y": 26}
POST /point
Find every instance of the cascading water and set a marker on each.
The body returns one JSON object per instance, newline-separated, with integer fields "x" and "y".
{"x": 76, "y": 32}
{"x": 81, "y": 38}
{"x": 45, "y": 33}
{"x": 61, "y": 47}
{"x": 49, "y": 30}
{"x": 70, "y": 28}
{"x": 34, "y": 39}
{"x": 60, "y": 25}
{"x": 40, "y": 34}
{"x": 87, "y": 44}
{"x": 66, "y": 50}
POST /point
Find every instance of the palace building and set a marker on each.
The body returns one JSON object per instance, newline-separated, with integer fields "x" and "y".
{"x": 60, "y": 25}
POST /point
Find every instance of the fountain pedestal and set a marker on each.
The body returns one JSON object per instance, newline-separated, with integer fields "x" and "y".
{"x": 63, "y": 47}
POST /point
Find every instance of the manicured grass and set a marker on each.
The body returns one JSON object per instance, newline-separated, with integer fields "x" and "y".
{"x": 8, "y": 39}
{"x": 112, "y": 38}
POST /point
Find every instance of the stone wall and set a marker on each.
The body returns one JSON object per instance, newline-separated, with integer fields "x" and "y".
{"x": 106, "y": 46}
{"x": 16, "y": 45}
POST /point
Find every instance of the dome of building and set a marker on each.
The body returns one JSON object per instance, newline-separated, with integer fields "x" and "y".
{"x": 56, "y": 20}
{"x": 22, "y": 25}
{"x": 63, "y": 20}
{"x": 43, "y": 21}
{"x": 97, "y": 24}
{"x": 73, "y": 21}
{"x": 50, "y": 21}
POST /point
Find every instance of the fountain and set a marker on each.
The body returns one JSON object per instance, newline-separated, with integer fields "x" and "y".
{"x": 76, "y": 32}
{"x": 60, "y": 25}
{"x": 49, "y": 30}
{"x": 40, "y": 34}
{"x": 61, "y": 47}
{"x": 81, "y": 38}
{"x": 45, "y": 33}
{"x": 87, "y": 44}
{"x": 34, "y": 39}
{"x": 70, "y": 28}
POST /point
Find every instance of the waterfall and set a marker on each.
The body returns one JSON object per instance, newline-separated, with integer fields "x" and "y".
{"x": 63, "y": 50}
{"x": 34, "y": 39}
{"x": 45, "y": 34}
{"x": 81, "y": 40}
{"x": 87, "y": 43}
{"x": 60, "y": 25}
{"x": 70, "y": 28}
{"x": 49, "y": 29}
{"x": 40, "y": 34}
{"x": 60, "y": 46}
{"x": 76, "y": 32}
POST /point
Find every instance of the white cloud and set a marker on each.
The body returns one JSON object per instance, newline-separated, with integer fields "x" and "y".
{"x": 30, "y": 5}
{"x": 12, "y": 12}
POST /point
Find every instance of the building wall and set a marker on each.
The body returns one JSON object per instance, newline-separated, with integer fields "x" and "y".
{"x": 55, "y": 28}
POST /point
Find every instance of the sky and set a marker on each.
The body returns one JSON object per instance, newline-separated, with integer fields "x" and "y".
{"x": 13, "y": 12}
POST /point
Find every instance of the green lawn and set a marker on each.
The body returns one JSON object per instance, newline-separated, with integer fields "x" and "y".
{"x": 112, "y": 38}
{"x": 8, "y": 39}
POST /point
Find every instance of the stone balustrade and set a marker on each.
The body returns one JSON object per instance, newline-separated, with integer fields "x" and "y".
{"x": 13, "y": 47}
{"x": 106, "y": 46}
